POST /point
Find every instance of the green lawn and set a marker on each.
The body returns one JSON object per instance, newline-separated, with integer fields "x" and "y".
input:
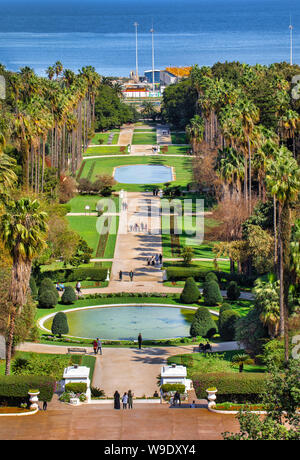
{"x": 182, "y": 166}
{"x": 79, "y": 202}
{"x": 177, "y": 150}
{"x": 107, "y": 150}
{"x": 102, "y": 138}
{"x": 144, "y": 138}
{"x": 86, "y": 227}
{"x": 197, "y": 363}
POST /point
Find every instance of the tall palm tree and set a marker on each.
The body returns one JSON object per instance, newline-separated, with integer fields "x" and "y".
{"x": 195, "y": 131}
{"x": 23, "y": 231}
{"x": 283, "y": 182}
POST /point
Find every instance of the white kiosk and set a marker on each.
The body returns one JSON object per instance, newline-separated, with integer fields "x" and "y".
{"x": 77, "y": 374}
{"x": 175, "y": 374}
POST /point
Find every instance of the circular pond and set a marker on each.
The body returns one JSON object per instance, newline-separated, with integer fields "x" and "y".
{"x": 143, "y": 174}
{"x": 126, "y": 322}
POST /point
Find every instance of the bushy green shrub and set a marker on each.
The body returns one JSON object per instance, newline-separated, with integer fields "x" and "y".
{"x": 14, "y": 387}
{"x": 224, "y": 307}
{"x": 211, "y": 276}
{"x": 167, "y": 387}
{"x": 47, "y": 298}
{"x": 69, "y": 296}
{"x": 60, "y": 324}
{"x": 227, "y": 322}
{"x": 76, "y": 387}
{"x": 233, "y": 291}
{"x": 203, "y": 324}
{"x": 232, "y": 387}
{"x": 33, "y": 288}
{"x": 211, "y": 293}
{"x": 190, "y": 293}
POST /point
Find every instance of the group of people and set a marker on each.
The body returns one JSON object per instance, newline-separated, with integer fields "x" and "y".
{"x": 127, "y": 400}
{"x": 124, "y": 206}
{"x": 131, "y": 275}
{"x": 155, "y": 260}
{"x": 97, "y": 345}
{"x": 138, "y": 227}
{"x": 156, "y": 192}
{"x": 60, "y": 287}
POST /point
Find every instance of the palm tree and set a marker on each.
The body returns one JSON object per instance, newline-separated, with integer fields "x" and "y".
{"x": 195, "y": 131}
{"x": 283, "y": 182}
{"x": 240, "y": 360}
{"x": 23, "y": 231}
{"x": 267, "y": 298}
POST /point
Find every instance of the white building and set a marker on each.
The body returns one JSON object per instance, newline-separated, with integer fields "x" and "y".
{"x": 76, "y": 374}
{"x": 175, "y": 374}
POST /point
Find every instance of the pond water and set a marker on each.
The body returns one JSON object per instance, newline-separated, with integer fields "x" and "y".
{"x": 143, "y": 174}
{"x": 125, "y": 323}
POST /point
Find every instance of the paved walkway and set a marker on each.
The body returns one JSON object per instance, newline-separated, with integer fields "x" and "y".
{"x": 100, "y": 422}
{"x": 134, "y": 247}
{"x": 164, "y": 135}
{"x": 126, "y": 133}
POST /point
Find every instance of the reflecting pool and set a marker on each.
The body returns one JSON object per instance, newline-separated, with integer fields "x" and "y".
{"x": 143, "y": 174}
{"x": 125, "y": 323}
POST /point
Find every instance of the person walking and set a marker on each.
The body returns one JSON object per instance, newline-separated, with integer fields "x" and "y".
{"x": 78, "y": 288}
{"x": 160, "y": 259}
{"x": 140, "y": 340}
{"x": 120, "y": 275}
{"x": 99, "y": 346}
{"x": 45, "y": 405}
{"x": 117, "y": 400}
{"x": 95, "y": 346}
{"x": 125, "y": 400}
{"x": 131, "y": 275}
{"x": 130, "y": 398}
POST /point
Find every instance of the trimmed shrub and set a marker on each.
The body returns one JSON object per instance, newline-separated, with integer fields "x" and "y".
{"x": 76, "y": 387}
{"x": 60, "y": 324}
{"x": 211, "y": 293}
{"x": 233, "y": 291}
{"x": 33, "y": 288}
{"x": 211, "y": 276}
{"x": 224, "y": 307}
{"x": 166, "y": 387}
{"x": 190, "y": 293}
{"x": 203, "y": 324}
{"x": 182, "y": 273}
{"x": 15, "y": 387}
{"x": 232, "y": 387}
{"x": 227, "y": 322}
{"x": 69, "y": 296}
{"x": 47, "y": 298}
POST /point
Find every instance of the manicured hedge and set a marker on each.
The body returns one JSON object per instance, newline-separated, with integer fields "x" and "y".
{"x": 182, "y": 273}
{"x": 76, "y": 274}
{"x": 232, "y": 387}
{"x": 76, "y": 387}
{"x": 166, "y": 387}
{"x": 17, "y": 386}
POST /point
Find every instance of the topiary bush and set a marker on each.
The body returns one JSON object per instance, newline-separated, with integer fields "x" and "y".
{"x": 203, "y": 324}
{"x": 190, "y": 293}
{"x": 76, "y": 387}
{"x": 69, "y": 296}
{"x": 211, "y": 276}
{"x": 233, "y": 291}
{"x": 224, "y": 307}
{"x": 16, "y": 387}
{"x": 211, "y": 293}
{"x": 227, "y": 323}
{"x": 60, "y": 324}
{"x": 47, "y": 298}
{"x": 232, "y": 387}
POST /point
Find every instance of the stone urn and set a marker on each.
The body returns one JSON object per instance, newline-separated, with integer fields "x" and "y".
{"x": 211, "y": 396}
{"x": 33, "y": 398}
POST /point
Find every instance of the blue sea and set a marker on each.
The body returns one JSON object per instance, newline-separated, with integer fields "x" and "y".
{"x": 101, "y": 33}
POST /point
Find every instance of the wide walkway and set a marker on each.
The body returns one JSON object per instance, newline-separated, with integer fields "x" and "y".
{"x": 102, "y": 422}
{"x": 139, "y": 237}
